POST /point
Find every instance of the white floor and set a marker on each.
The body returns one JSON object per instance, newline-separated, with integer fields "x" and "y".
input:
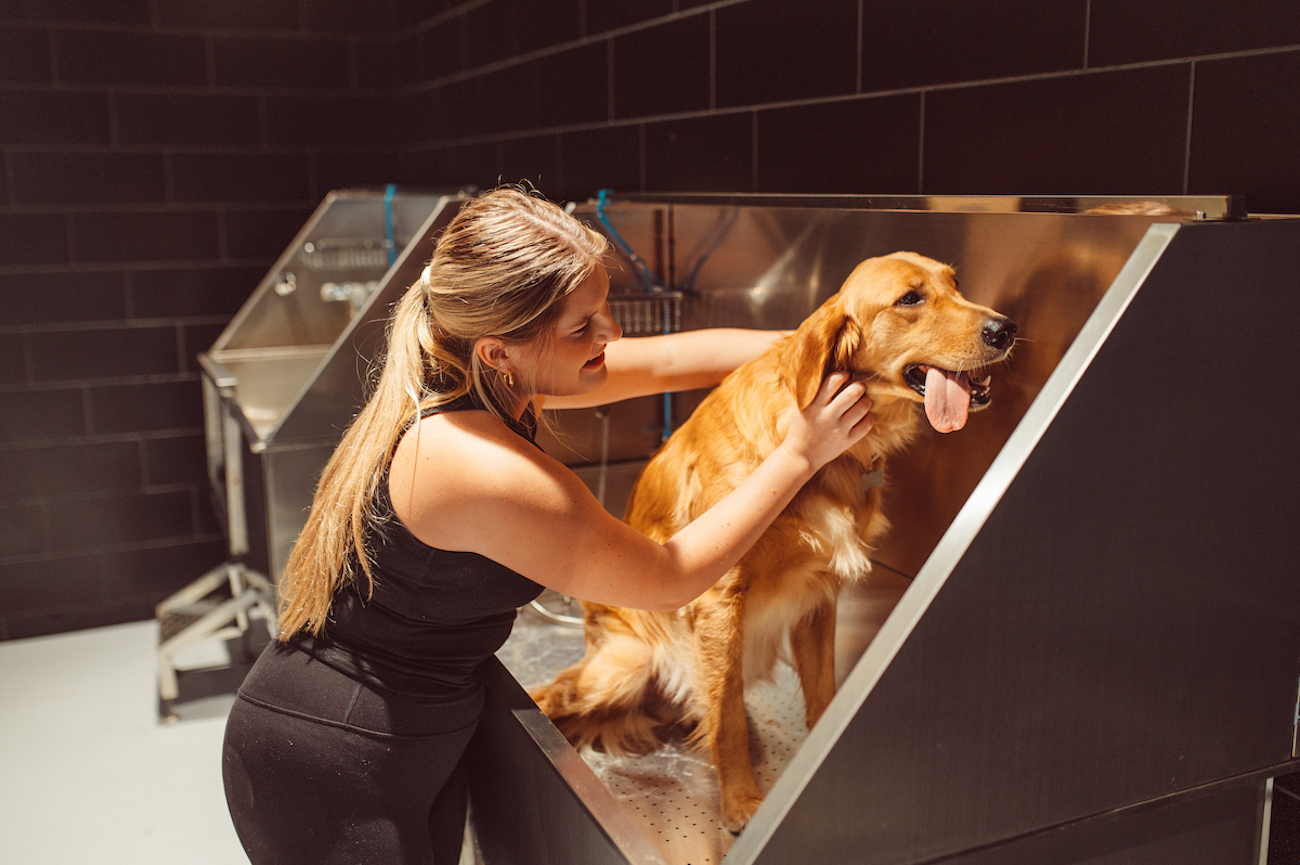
{"x": 88, "y": 774}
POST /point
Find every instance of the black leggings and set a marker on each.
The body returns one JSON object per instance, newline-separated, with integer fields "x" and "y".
{"x": 323, "y": 770}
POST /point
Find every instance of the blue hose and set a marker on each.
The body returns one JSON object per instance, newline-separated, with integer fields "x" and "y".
{"x": 651, "y": 282}
{"x": 388, "y": 223}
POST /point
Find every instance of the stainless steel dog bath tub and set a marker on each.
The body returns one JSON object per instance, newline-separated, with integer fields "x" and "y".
{"x": 1099, "y": 647}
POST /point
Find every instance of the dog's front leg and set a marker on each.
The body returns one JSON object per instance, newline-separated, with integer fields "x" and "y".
{"x": 812, "y": 644}
{"x": 720, "y": 656}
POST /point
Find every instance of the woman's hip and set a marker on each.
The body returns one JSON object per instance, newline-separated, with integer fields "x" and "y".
{"x": 290, "y": 681}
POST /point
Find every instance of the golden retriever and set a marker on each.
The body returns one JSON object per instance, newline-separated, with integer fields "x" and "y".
{"x": 898, "y": 324}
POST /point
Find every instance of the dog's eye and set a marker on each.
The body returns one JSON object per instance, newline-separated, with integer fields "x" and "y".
{"x": 912, "y": 298}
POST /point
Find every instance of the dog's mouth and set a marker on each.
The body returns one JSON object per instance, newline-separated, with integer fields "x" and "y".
{"x": 949, "y": 396}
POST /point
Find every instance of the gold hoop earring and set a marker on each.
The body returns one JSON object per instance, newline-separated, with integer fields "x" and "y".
{"x": 508, "y": 378}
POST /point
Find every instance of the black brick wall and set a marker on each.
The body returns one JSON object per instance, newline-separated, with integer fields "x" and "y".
{"x": 158, "y": 154}
{"x": 155, "y": 157}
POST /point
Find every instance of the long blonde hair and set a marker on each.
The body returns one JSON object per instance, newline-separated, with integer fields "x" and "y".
{"x": 500, "y": 268}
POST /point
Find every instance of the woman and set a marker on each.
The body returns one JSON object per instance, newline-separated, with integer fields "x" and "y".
{"x": 438, "y": 516}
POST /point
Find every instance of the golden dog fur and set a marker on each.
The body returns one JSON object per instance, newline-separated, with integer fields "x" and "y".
{"x": 647, "y": 675}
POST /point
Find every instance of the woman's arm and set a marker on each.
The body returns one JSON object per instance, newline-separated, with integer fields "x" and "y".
{"x": 463, "y": 482}
{"x": 641, "y": 366}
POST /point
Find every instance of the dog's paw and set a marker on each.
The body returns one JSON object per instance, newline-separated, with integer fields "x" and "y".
{"x": 737, "y": 811}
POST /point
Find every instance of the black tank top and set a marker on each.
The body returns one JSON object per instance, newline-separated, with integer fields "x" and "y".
{"x": 435, "y": 615}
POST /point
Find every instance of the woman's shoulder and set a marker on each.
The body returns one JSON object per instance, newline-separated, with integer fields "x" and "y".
{"x": 457, "y": 442}
{"x": 453, "y": 467}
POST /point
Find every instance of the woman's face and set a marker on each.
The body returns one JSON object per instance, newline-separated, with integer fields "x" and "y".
{"x": 575, "y": 362}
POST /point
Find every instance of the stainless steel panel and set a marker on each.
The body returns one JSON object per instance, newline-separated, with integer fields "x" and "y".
{"x": 532, "y": 799}
{"x": 290, "y": 483}
{"x": 1210, "y": 827}
{"x": 290, "y": 368}
{"x": 1103, "y": 629}
{"x": 344, "y": 241}
{"x": 1114, "y": 617}
{"x": 770, "y": 267}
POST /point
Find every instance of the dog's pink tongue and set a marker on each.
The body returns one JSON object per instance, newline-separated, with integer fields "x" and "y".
{"x": 947, "y": 399}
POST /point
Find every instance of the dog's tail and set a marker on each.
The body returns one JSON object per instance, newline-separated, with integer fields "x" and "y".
{"x": 611, "y": 700}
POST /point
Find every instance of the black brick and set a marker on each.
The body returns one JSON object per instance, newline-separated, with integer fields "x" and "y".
{"x": 33, "y": 473}
{"x": 431, "y": 167}
{"x": 417, "y": 116}
{"x": 155, "y": 572}
{"x": 1121, "y": 31}
{"x": 13, "y": 361}
{"x": 196, "y": 338}
{"x": 774, "y": 50}
{"x": 262, "y": 233}
{"x": 663, "y": 70}
{"x": 240, "y": 177}
{"x": 964, "y": 42}
{"x": 707, "y": 154}
{"x": 128, "y": 518}
{"x": 23, "y": 530}
{"x": 348, "y": 16}
{"x": 194, "y": 291}
{"x": 47, "y": 298}
{"x": 388, "y": 63}
{"x": 89, "y": 11}
{"x": 605, "y": 15}
{"x": 24, "y": 54}
{"x": 336, "y": 120}
{"x": 478, "y": 164}
{"x": 146, "y": 236}
{"x": 534, "y": 160}
{"x": 866, "y": 146}
{"x": 51, "y": 117}
{"x": 41, "y": 415}
{"x": 175, "y": 460}
{"x": 1246, "y": 131}
{"x": 45, "y": 586}
{"x": 600, "y": 158}
{"x": 572, "y": 86}
{"x": 110, "y": 57}
{"x": 544, "y": 25}
{"x": 208, "y": 119}
{"x": 276, "y": 14}
{"x": 490, "y": 33}
{"x": 33, "y": 238}
{"x": 87, "y": 178}
{"x": 272, "y": 62}
{"x": 82, "y": 355}
{"x": 1109, "y": 133}
{"x": 441, "y": 49}
{"x": 129, "y": 408}
{"x": 340, "y": 170}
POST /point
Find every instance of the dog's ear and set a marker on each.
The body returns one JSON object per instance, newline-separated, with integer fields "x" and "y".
{"x": 825, "y": 344}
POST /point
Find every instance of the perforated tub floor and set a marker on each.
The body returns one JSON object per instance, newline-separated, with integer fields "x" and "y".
{"x": 672, "y": 792}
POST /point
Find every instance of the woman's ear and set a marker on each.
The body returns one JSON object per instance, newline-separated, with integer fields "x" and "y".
{"x": 491, "y": 351}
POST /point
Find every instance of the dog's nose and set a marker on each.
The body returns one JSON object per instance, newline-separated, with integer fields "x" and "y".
{"x": 999, "y": 333}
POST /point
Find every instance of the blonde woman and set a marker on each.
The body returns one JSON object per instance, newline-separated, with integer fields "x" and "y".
{"x": 438, "y": 516}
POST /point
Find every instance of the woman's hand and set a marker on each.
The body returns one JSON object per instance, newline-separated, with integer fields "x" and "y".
{"x": 837, "y": 418}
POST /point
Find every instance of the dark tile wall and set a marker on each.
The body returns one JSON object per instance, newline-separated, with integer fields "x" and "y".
{"x": 158, "y": 154}
{"x": 155, "y": 157}
{"x": 886, "y": 96}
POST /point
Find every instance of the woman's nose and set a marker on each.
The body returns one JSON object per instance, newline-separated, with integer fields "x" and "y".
{"x": 612, "y": 329}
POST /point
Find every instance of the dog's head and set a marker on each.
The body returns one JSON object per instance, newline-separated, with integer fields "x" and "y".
{"x": 899, "y": 323}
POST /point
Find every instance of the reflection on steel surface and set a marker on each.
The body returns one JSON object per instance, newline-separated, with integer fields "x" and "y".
{"x": 1104, "y": 656}
{"x": 672, "y": 793}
